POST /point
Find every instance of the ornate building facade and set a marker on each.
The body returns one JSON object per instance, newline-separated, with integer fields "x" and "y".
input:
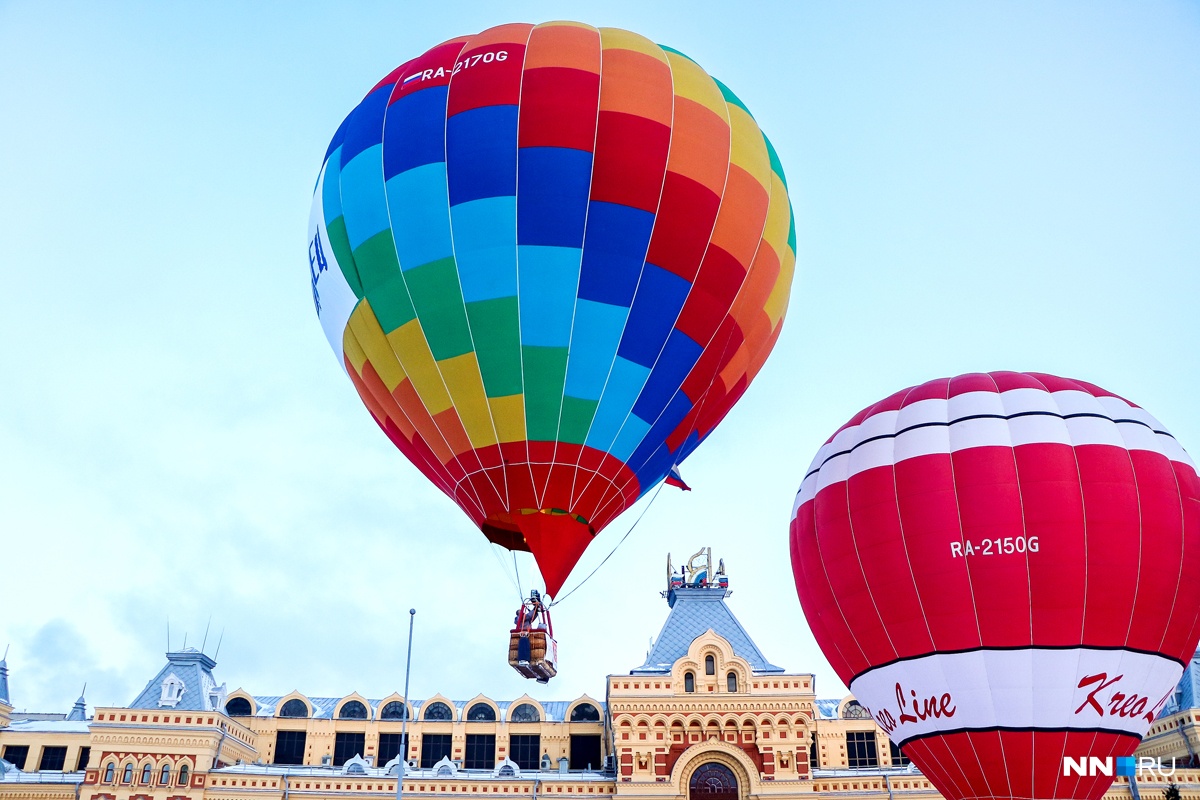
{"x": 706, "y": 717}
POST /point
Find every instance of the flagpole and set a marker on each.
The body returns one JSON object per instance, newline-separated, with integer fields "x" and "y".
{"x": 403, "y": 762}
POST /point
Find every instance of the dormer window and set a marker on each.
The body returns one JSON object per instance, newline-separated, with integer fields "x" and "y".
{"x": 172, "y": 691}
{"x": 689, "y": 682}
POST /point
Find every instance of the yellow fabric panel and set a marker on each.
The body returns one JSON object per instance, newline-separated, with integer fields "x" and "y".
{"x": 420, "y": 366}
{"x": 353, "y": 350}
{"x": 777, "y": 303}
{"x": 375, "y": 346}
{"x": 627, "y": 40}
{"x": 779, "y": 216}
{"x": 509, "y": 413}
{"x": 462, "y": 377}
{"x": 747, "y": 148}
{"x": 695, "y": 84}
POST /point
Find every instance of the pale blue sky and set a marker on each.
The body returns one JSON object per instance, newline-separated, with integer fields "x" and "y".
{"x": 977, "y": 186}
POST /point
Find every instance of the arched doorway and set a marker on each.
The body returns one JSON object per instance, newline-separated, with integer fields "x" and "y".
{"x": 713, "y": 781}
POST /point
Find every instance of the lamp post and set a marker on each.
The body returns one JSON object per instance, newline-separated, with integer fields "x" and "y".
{"x": 403, "y": 762}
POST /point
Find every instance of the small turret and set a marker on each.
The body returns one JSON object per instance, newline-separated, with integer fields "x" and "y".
{"x": 4, "y": 679}
{"x": 79, "y": 710}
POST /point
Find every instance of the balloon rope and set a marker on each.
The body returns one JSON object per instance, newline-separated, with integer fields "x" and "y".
{"x": 517, "y": 570}
{"x": 504, "y": 569}
{"x": 610, "y": 553}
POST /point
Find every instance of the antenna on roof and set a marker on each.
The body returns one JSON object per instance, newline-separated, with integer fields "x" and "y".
{"x": 206, "y": 627}
{"x": 168, "y": 633}
{"x": 81, "y": 694}
{"x": 219, "y": 640}
{"x": 185, "y": 640}
{"x": 6, "y": 652}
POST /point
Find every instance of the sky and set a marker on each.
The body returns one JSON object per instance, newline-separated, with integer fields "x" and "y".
{"x": 977, "y": 186}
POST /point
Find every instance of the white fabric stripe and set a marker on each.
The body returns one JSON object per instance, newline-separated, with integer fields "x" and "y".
{"x": 845, "y": 459}
{"x": 1019, "y": 689}
{"x": 336, "y": 298}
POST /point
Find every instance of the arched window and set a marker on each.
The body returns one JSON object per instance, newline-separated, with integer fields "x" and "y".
{"x": 854, "y": 710}
{"x": 713, "y": 781}
{"x": 164, "y": 777}
{"x": 481, "y": 712}
{"x": 146, "y": 771}
{"x": 731, "y": 682}
{"x": 585, "y": 712}
{"x": 127, "y": 775}
{"x": 439, "y": 711}
{"x": 238, "y": 707}
{"x": 183, "y": 775}
{"x": 110, "y": 772}
{"x": 689, "y": 682}
{"x": 394, "y": 710}
{"x": 294, "y": 708}
{"x": 352, "y": 710}
{"x": 710, "y": 665}
{"x": 526, "y": 712}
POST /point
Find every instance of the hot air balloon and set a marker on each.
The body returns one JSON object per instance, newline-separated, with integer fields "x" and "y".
{"x": 550, "y": 259}
{"x": 1002, "y": 568}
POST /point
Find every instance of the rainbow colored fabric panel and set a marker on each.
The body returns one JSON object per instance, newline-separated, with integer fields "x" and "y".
{"x": 551, "y": 258}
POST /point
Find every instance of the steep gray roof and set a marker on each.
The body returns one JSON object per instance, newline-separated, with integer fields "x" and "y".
{"x": 827, "y": 709}
{"x": 695, "y": 611}
{"x": 194, "y": 670}
{"x": 1187, "y": 691}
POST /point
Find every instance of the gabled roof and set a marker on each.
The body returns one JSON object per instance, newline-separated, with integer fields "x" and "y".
{"x": 194, "y": 670}
{"x": 694, "y": 611}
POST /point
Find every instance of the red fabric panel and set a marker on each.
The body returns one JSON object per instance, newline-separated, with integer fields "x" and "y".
{"x": 631, "y": 160}
{"x": 973, "y": 382}
{"x": 558, "y": 108}
{"x": 683, "y": 226}
{"x": 816, "y": 598}
{"x": 712, "y": 295}
{"x": 1110, "y": 505}
{"x": 494, "y": 84}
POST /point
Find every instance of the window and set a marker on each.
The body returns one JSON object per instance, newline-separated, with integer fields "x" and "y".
{"x": 585, "y": 712}
{"x": 585, "y": 751}
{"x": 85, "y": 753}
{"x": 16, "y": 754}
{"x": 898, "y": 757}
{"x": 183, "y": 774}
{"x": 689, "y": 682}
{"x": 147, "y": 771}
{"x": 239, "y": 707}
{"x": 710, "y": 665}
{"x": 860, "y": 750}
{"x": 53, "y": 759}
{"x": 394, "y": 710}
{"x": 481, "y": 712}
{"x": 110, "y": 772}
{"x": 855, "y": 710}
{"x": 526, "y": 712}
{"x": 814, "y": 760}
{"x": 434, "y": 747}
{"x": 172, "y": 691}
{"x": 352, "y": 710}
{"x": 713, "y": 781}
{"x": 525, "y": 749}
{"x": 348, "y": 745}
{"x": 480, "y": 751}
{"x": 294, "y": 708}
{"x": 731, "y": 682}
{"x": 127, "y": 774}
{"x": 289, "y": 747}
{"x": 439, "y": 711}
{"x": 164, "y": 777}
{"x": 390, "y": 746}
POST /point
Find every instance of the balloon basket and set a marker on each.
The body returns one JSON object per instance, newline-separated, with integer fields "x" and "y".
{"x": 540, "y": 661}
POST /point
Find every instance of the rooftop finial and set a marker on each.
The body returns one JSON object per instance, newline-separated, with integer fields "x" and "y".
{"x": 697, "y": 573}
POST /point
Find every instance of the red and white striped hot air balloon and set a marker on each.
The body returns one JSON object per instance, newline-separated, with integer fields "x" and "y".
{"x": 1005, "y": 569}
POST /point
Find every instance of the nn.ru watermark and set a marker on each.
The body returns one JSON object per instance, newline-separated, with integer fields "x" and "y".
{"x": 1127, "y": 766}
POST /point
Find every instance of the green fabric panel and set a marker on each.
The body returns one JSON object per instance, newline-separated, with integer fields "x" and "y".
{"x": 497, "y": 330}
{"x": 376, "y": 260}
{"x": 776, "y": 164}
{"x": 791, "y": 226}
{"x": 730, "y": 97}
{"x": 545, "y": 375}
{"x": 340, "y": 242}
{"x": 437, "y": 298}
{"x": 576, "y": 420}
{"x": 391, "y": 304}
{"x": 676, "y": 52}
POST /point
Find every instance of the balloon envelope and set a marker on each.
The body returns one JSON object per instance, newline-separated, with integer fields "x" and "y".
{"x": 1002, "y": 568}
{"x": 551, "y": 258}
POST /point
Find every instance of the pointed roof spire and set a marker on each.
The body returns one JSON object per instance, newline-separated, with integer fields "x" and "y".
{"x": 4, "y": 678}
{"x": 79, "y": 710}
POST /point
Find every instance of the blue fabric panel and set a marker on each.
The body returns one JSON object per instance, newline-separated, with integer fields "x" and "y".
{"x": 414, "y": 131}
{"x": 614, "y": 250}
{"x": 594, "y": 342}
{"x": 485, "y": 247}
{"x": 419, "y": 215}
{"x": 364, "y": 126}
{"x": 552, "y": 195}
{"x": 547, "y": 279}
{"x": 660, "y": 295}
{"x": 624, "y": 383}
{"x": 632, "y": 433}
{"x": 331, "y": 194}
{"x": 640, "y": 459}
{"x": 677, "y": 360}
{"x": 481, "y": 153}
{"x": 337, "y": 139}
{"x": 364, "y": 200}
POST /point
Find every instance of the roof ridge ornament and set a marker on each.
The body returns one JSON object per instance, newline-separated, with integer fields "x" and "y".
{"x": 697, "y": 573}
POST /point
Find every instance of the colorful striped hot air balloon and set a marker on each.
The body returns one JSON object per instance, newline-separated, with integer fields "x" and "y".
{"x": 551, "y": 258}
{"x": 1002, "y": 568}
